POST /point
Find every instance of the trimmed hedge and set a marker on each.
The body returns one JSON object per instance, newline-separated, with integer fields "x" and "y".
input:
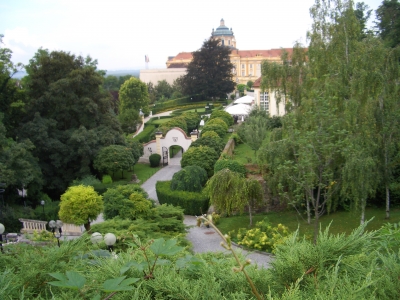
{"x": 191, "y": 202}
{"x": 154, "y": 160}
{"x": 145, "y": 135}
{"x": 232, "y": 165}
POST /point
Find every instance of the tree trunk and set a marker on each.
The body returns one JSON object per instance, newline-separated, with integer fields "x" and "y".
{"x": 87, "y": 226}
{"x": 362, "y": 220}
{"x": 308, "y": 211}
{"x": 250, "y": 215}
{"x": 316, "y": 223}
{"x": 387, "y": 202}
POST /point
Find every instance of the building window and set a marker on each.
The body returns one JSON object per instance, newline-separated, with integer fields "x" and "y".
{"x": 264, "y": 101}
{"x": 229, "y": 42}
{"x": 242, "y": 72}
{"x": 223, "y": 42}
{"x": 251, "y": 66}
{"x": 243, "y": 67}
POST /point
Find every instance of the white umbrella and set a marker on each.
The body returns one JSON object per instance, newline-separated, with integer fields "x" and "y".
{"x": 239, "y": 109}
{"x": 246, "y": 100}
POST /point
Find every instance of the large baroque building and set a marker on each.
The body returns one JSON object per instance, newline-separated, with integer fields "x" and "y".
{"x": 247, "y": 63}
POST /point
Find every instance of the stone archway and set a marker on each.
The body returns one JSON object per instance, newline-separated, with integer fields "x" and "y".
{"x": 175, "y": 136}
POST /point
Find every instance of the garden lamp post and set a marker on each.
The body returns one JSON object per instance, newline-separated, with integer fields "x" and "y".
{"x": 110, "y": 239}
{"x": 42, "y": 203}
{"x": 96, "y": 238}
{"x": 2, "y": 229}
{"x": 56, "y": 229}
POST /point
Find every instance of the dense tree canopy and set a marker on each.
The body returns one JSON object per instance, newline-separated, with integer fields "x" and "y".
{"x": 134, "y": 95}
{"x": 388, "y": 15}
{"x": 210, "y": 72}
{"x": 68, "y": 118}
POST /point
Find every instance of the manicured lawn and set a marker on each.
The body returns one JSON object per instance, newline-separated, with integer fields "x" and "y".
{"x": 342, "y": 222}
{"x": 142, "y": 171}
{"x": 160, "y": 121}
{"x": 244, "y": 154}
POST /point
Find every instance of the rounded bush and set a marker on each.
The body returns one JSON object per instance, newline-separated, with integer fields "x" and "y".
{"x": 201, "y": 156}
{"x": 218, "y": 121}
{"x": 212, "y": 134}
{"x": 231, "y": 165}
{"x": 223, "y": 115}
{"x": 154, "y": 159}
{"x": 213, "y": 142}
{"x": 117, "y": 200}
{"x": 190, "y": 179}
{"x": 218, "y": 129}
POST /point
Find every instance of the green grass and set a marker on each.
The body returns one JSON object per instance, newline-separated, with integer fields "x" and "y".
{"x": 244, "y": 154}
{"x": 160, "y": 121}
{"x": 142, "y": 171}
{"x": 342, "y": 222}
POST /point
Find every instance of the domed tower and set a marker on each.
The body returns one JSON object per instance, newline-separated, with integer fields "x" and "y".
{"x": 224, "y": 34}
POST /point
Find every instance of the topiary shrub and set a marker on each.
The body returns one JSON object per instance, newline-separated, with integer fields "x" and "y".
{"x": 215, "y": 143}
{"x": 236, "y": 138}
{"x": 223, "y": 115}
{"x": 192, "y": 120}
{"x": 220, "y": 130}
{"x": 202, "y": 156}
{"x": 218, "y": 121}
{"x": 177, "y": 122}
{"x": 117, "y": 199}
{"x": 137, "y": 206}
{"x": 232, "y": 165}
{"x": 106, "y": 179}
{"x": 191, "y": 202}
{"x": 154, "y": 159}
{"x": 210, "y": 134}
{"x": 190, "y": 179}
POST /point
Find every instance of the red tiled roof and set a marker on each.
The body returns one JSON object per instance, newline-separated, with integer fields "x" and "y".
{"x": 174, "y": 65}
{"x": 257, "y": 83}
{"x": 183, "y": 55}
{"x": 262, "y": 53}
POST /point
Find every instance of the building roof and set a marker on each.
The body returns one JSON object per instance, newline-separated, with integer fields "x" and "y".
{"x": 257, "y": 83}
{"x": 262, "y": 53}
{"x": 181, "y": 55}
{"x": 175, "y": 65}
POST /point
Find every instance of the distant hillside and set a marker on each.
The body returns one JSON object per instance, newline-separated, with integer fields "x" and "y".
{"x": 134, "y": 73}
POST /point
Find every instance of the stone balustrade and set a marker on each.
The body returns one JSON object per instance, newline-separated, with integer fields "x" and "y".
{"x": 29, "y": 226}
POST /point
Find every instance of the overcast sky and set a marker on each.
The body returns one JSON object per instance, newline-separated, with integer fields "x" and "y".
{"x": 119, "y": 33}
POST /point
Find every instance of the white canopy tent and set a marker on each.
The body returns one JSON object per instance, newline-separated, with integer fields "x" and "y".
{"x": 239, "y": 109}
{"x": 246, "y": 100}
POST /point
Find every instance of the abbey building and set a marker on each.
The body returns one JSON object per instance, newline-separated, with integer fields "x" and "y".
{"x": 247, "y": 63}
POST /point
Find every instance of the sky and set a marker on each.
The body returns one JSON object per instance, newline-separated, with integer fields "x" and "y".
{"x": 119, "y": 33}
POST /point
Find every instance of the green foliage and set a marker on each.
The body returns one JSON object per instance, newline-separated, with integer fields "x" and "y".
{"x": 190, "y": 179}
{"x": 229, "y": 191}
{"x": 209, "y": 74}
{"x": 236, "y": 138}
{"x": 146, "y": 135}
{"x": 388, "y": 22}
{"x": 231, "y": 165}
{"x": 79, "y": 204}
{"x": 42, "y": 236}
{"x": 154, "y": 160}
{"x": 118, "y": 202}
{"x": 192, "y": 120}
{"x": 179, "y": 122}
{"x": 223, "y": 115}
{"x": 106, "y": 179}
{"x": 68, "y": 136}
{"x": 10, "y": 215}
{"x": 202, "y": 156}
{"x": 249, "y": 84}
{"x": 114, "y": 158}
{"x": 133, "y": 94}
{"x": 240, "y": 87}
{"x": 191, "y": 202}
{"x": 217, "y": 121}
{"x": 220, "y": 130}
{"x": 263, "y": 237}
{"x": 215, "y": 143}
{"x": 210, "y": 134}
{"x": 88, "y": 180}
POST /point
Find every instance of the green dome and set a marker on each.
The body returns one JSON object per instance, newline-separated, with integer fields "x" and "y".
{"x": 222, "y": 30}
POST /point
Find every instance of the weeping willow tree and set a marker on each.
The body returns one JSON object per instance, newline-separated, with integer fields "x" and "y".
{"x": 229, "y": 191}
